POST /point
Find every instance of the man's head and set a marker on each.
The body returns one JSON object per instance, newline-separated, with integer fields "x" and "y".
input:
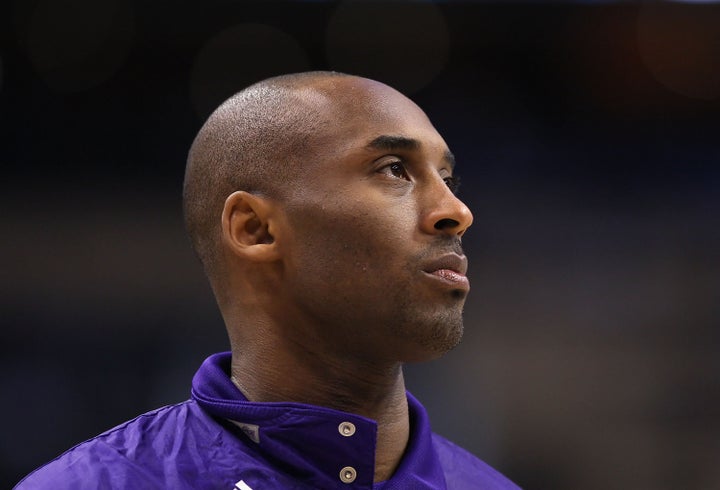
{"x": 325, "y": 201}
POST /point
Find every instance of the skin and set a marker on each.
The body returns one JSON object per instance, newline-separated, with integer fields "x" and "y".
{"x": 330, "y": 289}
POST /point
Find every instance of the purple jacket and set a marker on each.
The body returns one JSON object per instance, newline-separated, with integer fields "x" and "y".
{"x": 219, "y": 440}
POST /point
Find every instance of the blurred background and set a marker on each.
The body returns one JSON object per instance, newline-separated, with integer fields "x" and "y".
{"x": 588, "y": 141}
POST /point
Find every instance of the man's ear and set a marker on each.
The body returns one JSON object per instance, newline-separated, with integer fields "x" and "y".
{"x": 248, "y": 226}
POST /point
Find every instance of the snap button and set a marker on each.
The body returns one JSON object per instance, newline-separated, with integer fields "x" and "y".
{"x": 346, "y": 429}
{"x": 348, "y": 474}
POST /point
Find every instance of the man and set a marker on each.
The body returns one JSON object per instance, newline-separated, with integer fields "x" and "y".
{"x": 322, "y": 207}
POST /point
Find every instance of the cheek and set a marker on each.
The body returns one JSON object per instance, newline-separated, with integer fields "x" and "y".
{"x": 349, "y": 244}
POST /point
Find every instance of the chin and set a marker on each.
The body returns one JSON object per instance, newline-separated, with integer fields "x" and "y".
{"x": 440, "y": 339}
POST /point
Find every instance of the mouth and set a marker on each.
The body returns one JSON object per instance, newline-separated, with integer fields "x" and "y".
{"x": 450, "y": 271}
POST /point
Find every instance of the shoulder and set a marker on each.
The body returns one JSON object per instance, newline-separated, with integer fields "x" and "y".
{"x": 464, "y": 470}
{"x": 136, "y": 451}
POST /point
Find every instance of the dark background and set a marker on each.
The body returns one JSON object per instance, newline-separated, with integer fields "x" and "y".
{"x": 587, "y": 137}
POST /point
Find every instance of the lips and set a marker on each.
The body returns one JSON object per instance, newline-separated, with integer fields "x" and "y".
{"x": 450, "y": 269}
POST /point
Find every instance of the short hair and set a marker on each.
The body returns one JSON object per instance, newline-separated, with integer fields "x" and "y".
{"x": 255, "y": 141}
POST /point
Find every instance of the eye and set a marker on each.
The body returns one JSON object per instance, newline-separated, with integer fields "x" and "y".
{"x": 395, "y": 169}
{"x": 453, "y": 183}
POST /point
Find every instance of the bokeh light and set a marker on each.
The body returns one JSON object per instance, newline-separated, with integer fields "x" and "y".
{"x": 403, "y": 44}
{"x": 681, "y": 48}
{"x": 239, "y": 56}
{"x": 75, "y": 45}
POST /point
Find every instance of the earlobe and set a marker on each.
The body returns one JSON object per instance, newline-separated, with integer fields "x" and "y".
{"x": 246, "y": 225}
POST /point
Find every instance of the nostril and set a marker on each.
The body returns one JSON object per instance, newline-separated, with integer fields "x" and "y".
{"x": 446, "y": 223}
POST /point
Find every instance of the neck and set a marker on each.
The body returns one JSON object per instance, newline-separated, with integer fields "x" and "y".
{"x": 377, "y": 392}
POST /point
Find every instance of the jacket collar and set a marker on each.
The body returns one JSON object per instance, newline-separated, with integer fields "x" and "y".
{"x": 318, "y": 444}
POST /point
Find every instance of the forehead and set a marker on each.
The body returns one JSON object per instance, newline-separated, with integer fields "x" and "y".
{"x": 358, "y": 112}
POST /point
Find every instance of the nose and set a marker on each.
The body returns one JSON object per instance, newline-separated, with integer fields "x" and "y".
{"x": 446, "y": 213}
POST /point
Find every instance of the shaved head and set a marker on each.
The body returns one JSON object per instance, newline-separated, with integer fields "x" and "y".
{"x": 322, "y": 208}
{"x": 255, "y": 142}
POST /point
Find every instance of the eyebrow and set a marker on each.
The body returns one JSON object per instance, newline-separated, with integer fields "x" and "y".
{"x": 392, "y": 142}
